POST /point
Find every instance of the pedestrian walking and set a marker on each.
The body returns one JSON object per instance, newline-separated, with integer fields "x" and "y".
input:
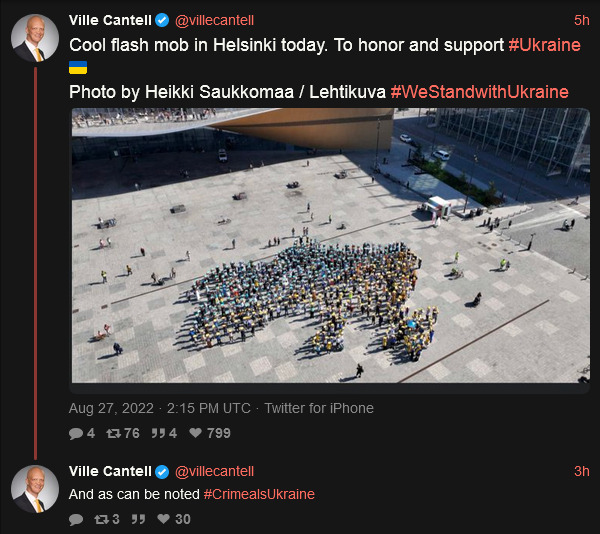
{"x": 233, "y": 243}
{"x": 137, "y": 186}
{"x": 509, "y": 223}
{"x": 307, "y": 163}
{"x": 577, "y": 199}
{"x": 419, "y": 263}
{"x": 431, "y": 335}
{"x": 293, "y": 232}
{"x": 456, "y": 258}
{"x": 129, "y": 271}
{"x": 330, "y": 219}
{"x": 312, "y": 216}
{"x": 153, "y": 276}
{"x": 107, "y": 329}
{"x": 173, "y": 273}
{"x": 108, "y": 241}
{"x": 117, "y": 348}
{"x": 143, "y": 251}
{"x": 507, "y": 265}
{"x": 372, "y": 179}
{"x": 307, "y": 207}
{"x": 502, "y": 264}
{"x": 359, "y": 371}
{"x": 572, "y": 223}
{"x": 104, "y": 279}
{"x": 187, "y": 255}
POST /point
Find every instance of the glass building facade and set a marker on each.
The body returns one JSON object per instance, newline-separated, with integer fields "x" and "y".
{"x": 197, "y": 139}
{"x": 554, "y": 140}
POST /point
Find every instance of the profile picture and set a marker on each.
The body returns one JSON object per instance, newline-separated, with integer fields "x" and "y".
{"x": 34, "y": 489}
{"x": 34, "y": 38}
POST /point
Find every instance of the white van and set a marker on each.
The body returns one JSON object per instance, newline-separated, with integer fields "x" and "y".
{"x": 441, "y": 154}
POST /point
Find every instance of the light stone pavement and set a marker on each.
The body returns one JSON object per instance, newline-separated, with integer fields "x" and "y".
{"x": 533, "y": 325}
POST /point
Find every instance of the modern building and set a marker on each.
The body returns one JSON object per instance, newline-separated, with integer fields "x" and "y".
{"x": 323, "y": 128}
{"x": 98, "y": 133}
{"x": 556, "y": 140}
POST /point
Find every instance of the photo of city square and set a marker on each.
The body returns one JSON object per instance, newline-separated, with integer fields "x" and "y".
{"x": 330, "y": 245}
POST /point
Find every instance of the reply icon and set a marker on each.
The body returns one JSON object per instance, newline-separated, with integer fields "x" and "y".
{"x": 75, "y": 433}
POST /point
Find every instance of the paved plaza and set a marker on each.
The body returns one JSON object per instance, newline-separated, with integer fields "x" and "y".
{"x": 533, "y": 325}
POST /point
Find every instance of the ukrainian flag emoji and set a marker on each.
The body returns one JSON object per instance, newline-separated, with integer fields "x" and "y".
{"x": 77, "y": 67}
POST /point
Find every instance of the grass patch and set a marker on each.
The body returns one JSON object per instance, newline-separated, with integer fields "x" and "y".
{"x": 488, "y": 198}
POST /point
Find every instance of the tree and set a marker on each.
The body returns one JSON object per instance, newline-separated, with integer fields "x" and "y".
{"x": 490, "y": 194}
{"x": 436, "y": 168}
{"x": 418, "y": 154}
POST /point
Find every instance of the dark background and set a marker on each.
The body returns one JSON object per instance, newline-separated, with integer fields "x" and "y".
{"x": 445, "y": 455}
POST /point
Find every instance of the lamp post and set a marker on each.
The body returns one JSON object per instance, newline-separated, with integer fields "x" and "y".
{"x": 475, "y": 160}
{"x": 377, "y": 146}
{"x": 433, "y": 144}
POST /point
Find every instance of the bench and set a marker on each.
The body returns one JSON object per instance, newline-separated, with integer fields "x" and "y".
{"x": 106, "y": 224}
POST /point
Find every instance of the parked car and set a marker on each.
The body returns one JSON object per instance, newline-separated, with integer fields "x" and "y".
{"x": 441, "y": 154}
{"x": 406, "y": 138}
{"x": 222, "y": 155}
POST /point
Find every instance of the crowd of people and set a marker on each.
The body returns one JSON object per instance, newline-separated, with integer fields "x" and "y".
{"x": 414, "y": 331}
{"x": 331, "y": 284}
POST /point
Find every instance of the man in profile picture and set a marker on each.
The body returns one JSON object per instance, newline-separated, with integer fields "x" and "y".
{"x": 29, "y": 49}
{"x": 29, "y": 501}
